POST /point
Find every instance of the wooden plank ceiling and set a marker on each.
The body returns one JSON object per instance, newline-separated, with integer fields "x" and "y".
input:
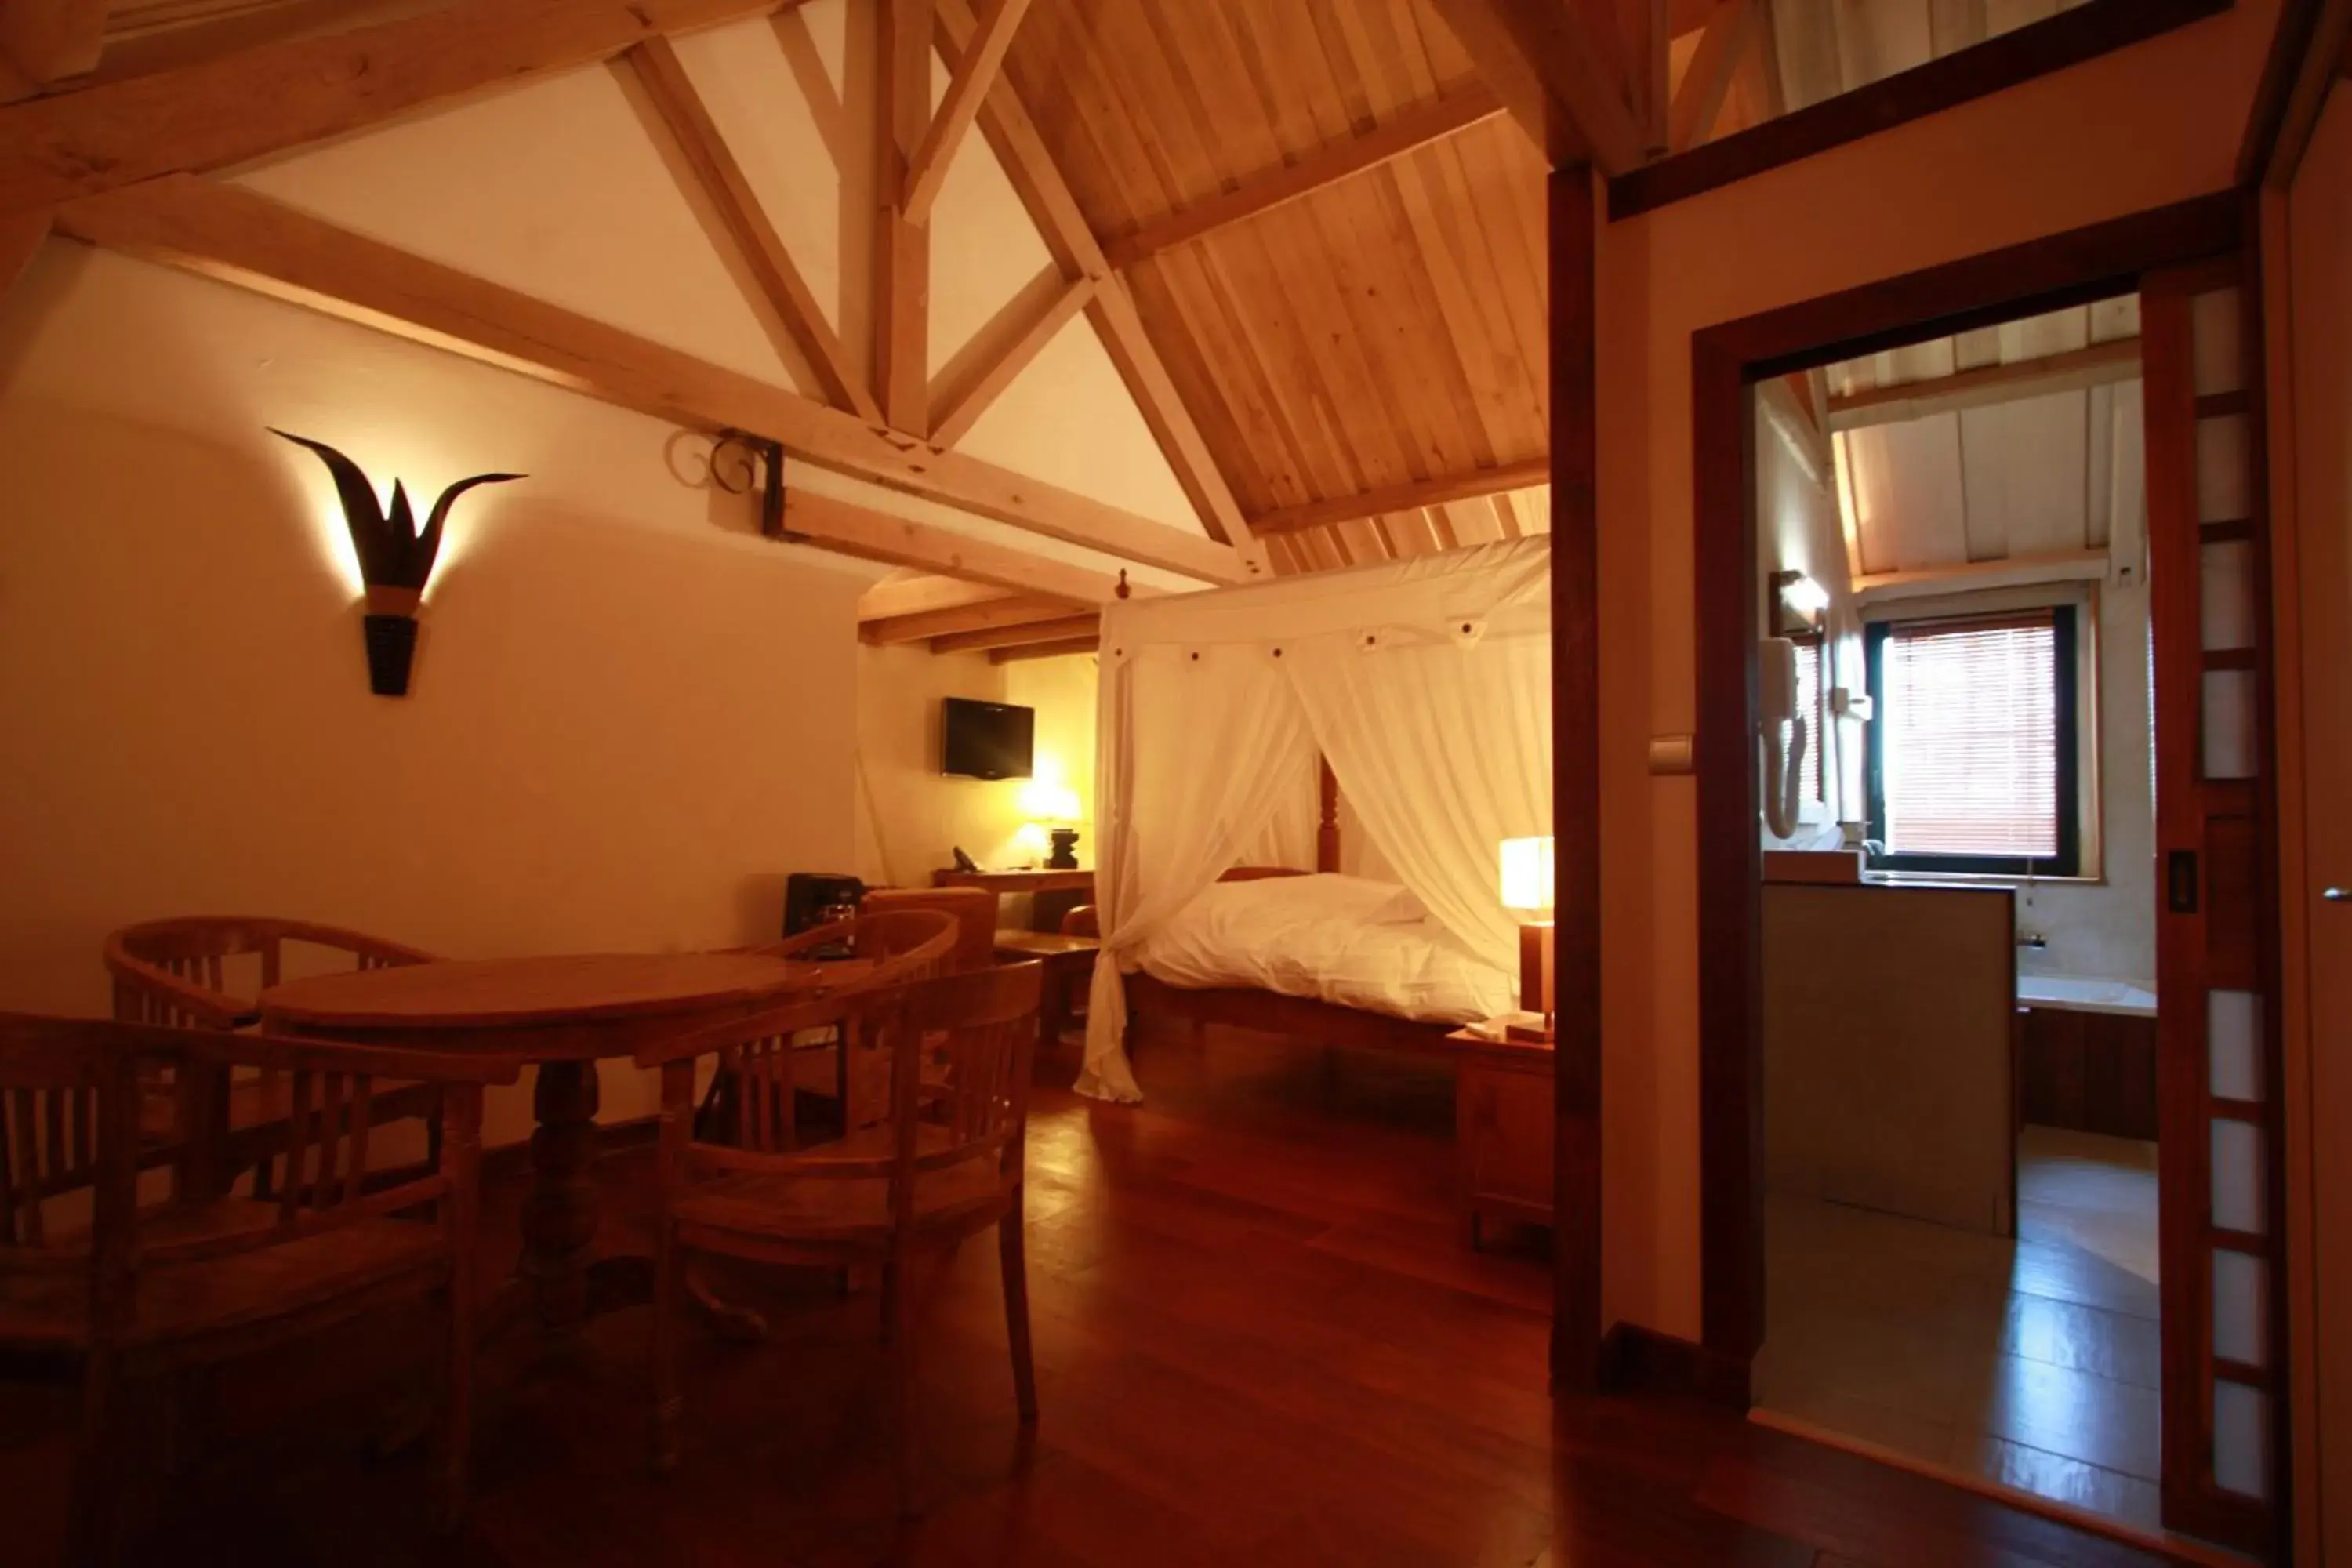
{"x": 1384, "y": 331}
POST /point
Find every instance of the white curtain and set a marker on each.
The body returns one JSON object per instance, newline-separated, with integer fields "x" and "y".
{"x": 1426, "y": 684}
{"x": 1174, "y": 817}
{"x": 1443, "y": 746}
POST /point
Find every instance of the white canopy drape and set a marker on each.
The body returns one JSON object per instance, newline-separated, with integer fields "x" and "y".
{"x": 1425, "y": 683}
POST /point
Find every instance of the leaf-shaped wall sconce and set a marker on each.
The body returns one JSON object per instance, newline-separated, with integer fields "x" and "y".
{"x": 396, "y": 559}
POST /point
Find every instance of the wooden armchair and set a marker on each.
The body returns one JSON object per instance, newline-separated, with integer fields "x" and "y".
{"x": 946, "y": 1164}
{"x": 208, "y": 971}
{"x": 201, "y": 1277}
{"x": 974, "y": 909}
{"x": 904, "y": 944}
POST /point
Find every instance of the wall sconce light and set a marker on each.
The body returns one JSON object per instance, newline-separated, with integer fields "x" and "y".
{"x": 1798, "y": 603}
{"x": 396, "y": 559}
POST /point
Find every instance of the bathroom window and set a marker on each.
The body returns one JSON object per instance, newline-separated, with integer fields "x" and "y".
{"x": 1972, "y": 748}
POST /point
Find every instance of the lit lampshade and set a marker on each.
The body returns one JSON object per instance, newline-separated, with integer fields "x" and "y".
{"x": 1044, "y": 802}
{"x": 1527, "y": 879}
{"x": 1526, "y": 873}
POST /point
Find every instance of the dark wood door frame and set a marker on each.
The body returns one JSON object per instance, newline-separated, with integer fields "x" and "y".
{"x": 1575, "y": 1345}
{"x": 2071, "y": 268}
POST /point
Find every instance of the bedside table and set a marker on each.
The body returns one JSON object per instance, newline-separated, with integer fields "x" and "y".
{"x": 1504, "y": 1123}
{"x": 1069, "y": 964}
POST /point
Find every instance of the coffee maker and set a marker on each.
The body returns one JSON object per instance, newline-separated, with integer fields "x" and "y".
{"x": 817, "y": 898}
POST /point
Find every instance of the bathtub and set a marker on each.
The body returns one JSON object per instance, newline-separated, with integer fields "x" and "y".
{"x": 2074, "y": 994}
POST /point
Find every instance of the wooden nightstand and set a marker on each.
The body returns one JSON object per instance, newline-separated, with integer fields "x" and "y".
{"x": 1069, "y": 964}
{"x": 1502, "y": 1127}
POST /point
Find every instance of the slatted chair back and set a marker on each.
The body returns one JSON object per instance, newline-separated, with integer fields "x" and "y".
{"x": 60, "y": 1083}
{"x": 958, "y": 1048}
{"x": 205, "y": 972}
{"x": 755, "y": 1054}
{"x": 974, "y": 909}
{"x": 334, "y": 1171}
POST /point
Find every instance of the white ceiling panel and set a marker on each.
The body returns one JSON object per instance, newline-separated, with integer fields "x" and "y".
{"x": 2025, "y": 466}
{"x": 1908, "y": 495}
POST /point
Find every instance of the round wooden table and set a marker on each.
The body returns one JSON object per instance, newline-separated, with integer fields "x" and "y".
{"x": 563, "y": 1014}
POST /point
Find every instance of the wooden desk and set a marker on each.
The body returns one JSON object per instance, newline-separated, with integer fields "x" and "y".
{"x": 1080, "y": 880}
{"x": 1069, "y": 962}
{"x": 1053, "y": 893}
{"x": 564, "y": 1014}
{"x": 1503, "y": 1124}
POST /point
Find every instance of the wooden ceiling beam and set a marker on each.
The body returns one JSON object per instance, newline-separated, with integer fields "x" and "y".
{"x": 984, "y": 614}
{"x": 902, "y": 243}
{"x": 2093, "y": 366}
{"x": 1706, "y": 80}
{"x": 870, "y": 535}
{"x": 1062, "y": 223}
{"x": 232, "y": 27}
{"x": 1407, "y": 497}
{"x": 1419, "y": 125}
{"x": 1061, "y": 628}
{"x": 974, "y": 75}
{"x": 959, "y": 408}
{"x": 212, "y": 113}
{"x": 248, "y": 239}
{"x": 1045, "y": 650}
{"x": 47, "y": 41}
{"x": 682, "y": 110}
{"x": 911, "y": 593}
{"x": 1544, "y": 63}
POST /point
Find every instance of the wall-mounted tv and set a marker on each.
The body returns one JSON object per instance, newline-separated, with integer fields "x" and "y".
{"x": 985, "y": 739}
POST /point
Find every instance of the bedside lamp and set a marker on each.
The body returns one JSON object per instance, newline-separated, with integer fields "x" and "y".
{"x": 1527, "y": 885}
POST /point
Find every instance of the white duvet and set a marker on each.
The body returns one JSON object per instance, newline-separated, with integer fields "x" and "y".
{"x": 1342, "y": 940}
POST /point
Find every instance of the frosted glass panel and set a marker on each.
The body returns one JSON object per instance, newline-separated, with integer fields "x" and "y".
{"x": 2237, "y": 1175}
{"x": 2227, "y": 594}
{"x": 2216, "y": 325}
{"x": 2223, "y": 492}
{"x": 2229, "y": 723}
{"x": 2237, "y": 1306}
{"x": 2233, "y": 1044}
{"x": 2240, "y": 1416}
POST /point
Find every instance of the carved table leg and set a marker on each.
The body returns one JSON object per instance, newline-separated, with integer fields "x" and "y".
{"x": 559, "y": 1217}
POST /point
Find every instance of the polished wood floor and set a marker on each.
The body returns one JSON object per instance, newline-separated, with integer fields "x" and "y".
{"x": 1257, "y": 1339}
{"x": 2030, "y": 1363}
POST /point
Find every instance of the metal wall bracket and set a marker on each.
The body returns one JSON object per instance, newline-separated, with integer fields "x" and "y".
{"x": 766, "y": 460}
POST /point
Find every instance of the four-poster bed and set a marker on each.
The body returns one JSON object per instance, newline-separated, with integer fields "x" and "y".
{"x": 1419, "y": 691}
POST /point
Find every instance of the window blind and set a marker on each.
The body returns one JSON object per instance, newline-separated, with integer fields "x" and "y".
{"x": 1815, "y": 711}
{"x": 1970, "y": 744}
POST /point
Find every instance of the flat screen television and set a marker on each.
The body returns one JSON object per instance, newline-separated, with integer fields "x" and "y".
{"x": 985, "y": 739}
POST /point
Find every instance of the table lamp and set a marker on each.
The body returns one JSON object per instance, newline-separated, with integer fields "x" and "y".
{"x": 1527, "y": 885}
{"x": 1057, "y": 807}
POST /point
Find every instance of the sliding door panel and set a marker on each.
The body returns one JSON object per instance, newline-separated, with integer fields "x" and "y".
{"x": 2218, "y": 1151}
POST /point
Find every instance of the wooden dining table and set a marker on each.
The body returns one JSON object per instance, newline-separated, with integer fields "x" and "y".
{"x": 562, "y": 1013}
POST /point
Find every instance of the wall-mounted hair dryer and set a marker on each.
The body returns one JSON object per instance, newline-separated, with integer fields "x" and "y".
{"x": 1784, "y": 766}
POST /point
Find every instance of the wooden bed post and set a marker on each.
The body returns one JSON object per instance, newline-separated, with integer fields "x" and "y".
{"x": 1326, "y": 822}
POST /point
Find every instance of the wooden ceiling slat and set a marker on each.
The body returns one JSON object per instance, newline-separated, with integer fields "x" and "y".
{"x": 1420, "y": 380}
{"x": 1510, "y": 296}
{"x": 1466, "y": 310}
{"x": 1365, "y": 334}
{"x": 1193, "y": 293}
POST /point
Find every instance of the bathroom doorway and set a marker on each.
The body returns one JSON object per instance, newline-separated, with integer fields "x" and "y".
{"x": 2108, "y": 1337}
{"x": 1962, "y": 1254}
